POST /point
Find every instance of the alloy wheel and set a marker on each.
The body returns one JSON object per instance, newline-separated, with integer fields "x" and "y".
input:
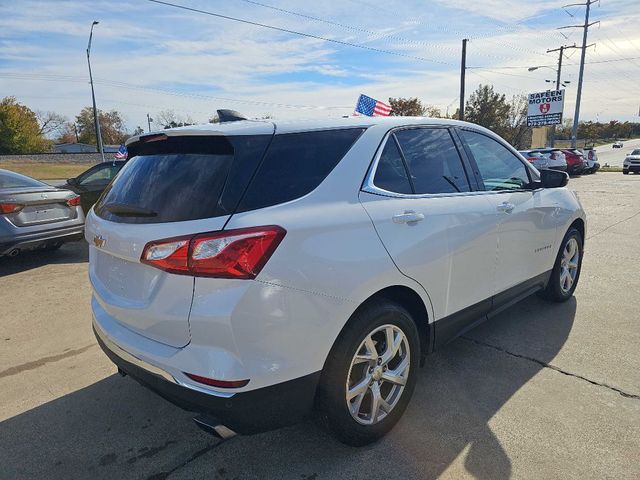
{"x": 569, "y": 265}
{"x": 378, "y": 374}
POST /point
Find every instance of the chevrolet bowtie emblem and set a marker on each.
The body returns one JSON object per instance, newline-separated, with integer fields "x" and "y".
{"x": 99, "y": 241}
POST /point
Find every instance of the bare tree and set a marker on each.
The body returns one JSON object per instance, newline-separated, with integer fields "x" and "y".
{"x": 51, "y": 123}
{"x": 170, "y": 119}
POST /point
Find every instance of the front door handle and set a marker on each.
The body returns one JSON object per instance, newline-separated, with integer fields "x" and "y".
{"x": 506, "y": 207}
{"x": 409, "y": 216}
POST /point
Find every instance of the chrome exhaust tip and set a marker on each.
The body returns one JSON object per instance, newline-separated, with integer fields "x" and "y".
{"x": 212, "y": 426}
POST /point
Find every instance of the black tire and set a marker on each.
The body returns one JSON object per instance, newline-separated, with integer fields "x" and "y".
{"x": 625, "y": 173}
{"x": 332, "y": 391}
{"x": 554, "y": 291}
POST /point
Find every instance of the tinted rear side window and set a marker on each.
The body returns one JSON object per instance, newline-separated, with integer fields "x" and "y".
{"x": 184, "y": 178}
{"x": 391, "y": 174}
{"x": 295, "y": 164}
{"x": 433, "y": 160}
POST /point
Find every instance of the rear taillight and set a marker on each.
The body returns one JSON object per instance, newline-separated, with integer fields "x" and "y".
{"x": 10, "y": 207}
{"x": 74, "y": 201}
{"x": 239, "y": 253}
{"x": 531, "y": 159}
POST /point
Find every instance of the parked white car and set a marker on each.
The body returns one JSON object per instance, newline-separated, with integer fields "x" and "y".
{"x": 537, "y": 159}
{"x": 251, "y": 270}
{"x": 632, "y": 162}
{"x": 556, "y": 158}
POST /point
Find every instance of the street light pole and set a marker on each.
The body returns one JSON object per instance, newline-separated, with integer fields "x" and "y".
{"x": 93, "y": 96}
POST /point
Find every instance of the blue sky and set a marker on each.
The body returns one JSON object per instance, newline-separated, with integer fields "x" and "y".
{"x": 148, "y": 57}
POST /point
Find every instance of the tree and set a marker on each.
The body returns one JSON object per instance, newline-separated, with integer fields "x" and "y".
{"x": 170, "y": 119}
{"x": 19, "y": 129}
{"x": 433, "y": 111}
{"x": 488, "y": 109}
{"x": 51, "y": 123}
{"x": 67, "y": 134}
{"x": 111, "y": 127}
{"x": 407, "y": 107}
{"x": 517, "y": 132}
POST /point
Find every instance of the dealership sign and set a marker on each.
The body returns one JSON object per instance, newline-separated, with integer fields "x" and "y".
{"x": 545, "y": 108}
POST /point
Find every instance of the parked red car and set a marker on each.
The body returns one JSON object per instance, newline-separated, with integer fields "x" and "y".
{"x": 576, "y": 163}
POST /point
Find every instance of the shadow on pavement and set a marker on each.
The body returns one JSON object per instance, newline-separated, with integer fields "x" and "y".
{"x": 116, "y": 429}
{"x": 74, "y": 252}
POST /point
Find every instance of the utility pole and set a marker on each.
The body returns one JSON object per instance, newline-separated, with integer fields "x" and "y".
{"x": 93, "y": 96}
{"x": 149, "y": 120}
{"x": 558, "y": 82}
{"x": 463, "y": 70}
{"x": 585, "y": 27}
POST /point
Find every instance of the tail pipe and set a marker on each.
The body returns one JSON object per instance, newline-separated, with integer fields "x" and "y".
{"x": 213, "y": 426}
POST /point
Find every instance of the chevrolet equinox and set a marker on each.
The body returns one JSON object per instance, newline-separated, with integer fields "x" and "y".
{"x": 254, "y": 271}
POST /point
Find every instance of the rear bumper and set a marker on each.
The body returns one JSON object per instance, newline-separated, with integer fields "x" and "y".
{"x": 575, "y": 169}
{"x": 561, "y": 168}
{"x": 33, "y": 240}
{"x": 247, "y": 412}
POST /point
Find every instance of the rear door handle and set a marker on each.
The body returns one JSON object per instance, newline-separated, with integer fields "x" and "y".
{"x": 506, "y": 207}
{"x": 408, "y": 216}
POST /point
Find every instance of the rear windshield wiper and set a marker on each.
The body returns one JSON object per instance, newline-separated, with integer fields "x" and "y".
{"x": 124, "y": 210}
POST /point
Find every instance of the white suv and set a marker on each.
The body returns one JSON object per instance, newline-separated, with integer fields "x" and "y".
{"x": 250, "y": 271}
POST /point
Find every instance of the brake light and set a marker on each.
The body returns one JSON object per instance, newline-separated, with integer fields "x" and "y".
{"x": 10, "y": 207}
{"x": 217, "y": 383}
{"x": 74, "y": 201}
{"x": 239, "y": 253}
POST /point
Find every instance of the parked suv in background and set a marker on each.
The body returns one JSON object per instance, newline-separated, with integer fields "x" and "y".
{"x": 575, "y": 161}
{"x": 250, "y": 270}
{"x": 555, "y": 158}
{"x": 591, "y": 159}
{"x": 537, "y": 159}
{"x": 632, "y": 162}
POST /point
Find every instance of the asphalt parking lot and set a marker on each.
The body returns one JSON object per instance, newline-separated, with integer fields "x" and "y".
{"x": 541, "y": 391}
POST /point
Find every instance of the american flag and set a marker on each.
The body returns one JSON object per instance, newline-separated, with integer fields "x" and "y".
{"x": 121, "y": 153}
{"x": 371, "y": 107}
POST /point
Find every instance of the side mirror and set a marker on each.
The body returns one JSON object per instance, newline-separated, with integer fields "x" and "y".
{"x": 553, "y": 178}
{"x": 72, "y": 181}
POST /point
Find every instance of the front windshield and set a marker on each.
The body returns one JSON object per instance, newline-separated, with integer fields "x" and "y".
{"x": 636, "y": 152}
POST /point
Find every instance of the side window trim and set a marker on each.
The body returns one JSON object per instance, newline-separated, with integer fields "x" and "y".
{"x": 369, "y": 186}
{"x": 404, "y": 163}
{"x": 481, "y": 186}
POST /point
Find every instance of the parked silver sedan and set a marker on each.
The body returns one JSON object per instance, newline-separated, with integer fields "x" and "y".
{"x": 36, "y": 215}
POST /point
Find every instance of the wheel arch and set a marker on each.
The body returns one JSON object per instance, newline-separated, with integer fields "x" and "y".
{"x": 579, "y": 224}
{"x": 408, "y": 298}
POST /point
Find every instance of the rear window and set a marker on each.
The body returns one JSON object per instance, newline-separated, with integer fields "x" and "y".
{"x": 15, "y": 180}
{"x": 182, "y": 178}
{"x": 296, "y": 164}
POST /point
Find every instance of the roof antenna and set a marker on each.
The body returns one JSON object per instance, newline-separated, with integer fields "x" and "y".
{"x": 230, "y": 116}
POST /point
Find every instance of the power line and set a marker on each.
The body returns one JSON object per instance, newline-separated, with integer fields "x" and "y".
{"x": 302, "y": 34}
{"x": 373, "y": 33}
{"x": 78, "y": 79}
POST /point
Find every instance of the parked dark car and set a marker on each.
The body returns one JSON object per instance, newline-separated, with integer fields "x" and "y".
{"x": 91, "y": 183}
{"x": 35, "y": 215}
{"x": 576, "y": 163}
